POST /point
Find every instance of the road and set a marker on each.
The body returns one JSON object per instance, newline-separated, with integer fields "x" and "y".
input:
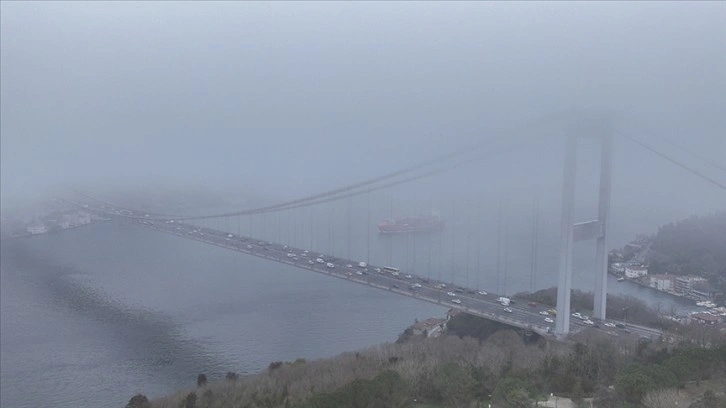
{"x": 519, "y": 313}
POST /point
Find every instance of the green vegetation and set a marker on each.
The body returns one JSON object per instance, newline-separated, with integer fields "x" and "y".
{"x": 694, "y": 246}
{"x": 497, "y": 367}
{"x": 387, "y": 389}
{"x": 139, "y": 401}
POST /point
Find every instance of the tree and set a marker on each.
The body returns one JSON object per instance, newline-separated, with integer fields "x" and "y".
{"x": 577, "y": 392}
{"x": 387, "y": 389}
{"x": 207, "y": 398}
{"x": 139, "y": 401}
{"x": 454, "y": 383}
{"x": 663, "y": 398}
{"x": 201, "y": 380}
{"x": 634, "y": 383}
{"x": 514, "y": 393}
{"x": 709, "y": 400}
{"x": 190, "y": 401}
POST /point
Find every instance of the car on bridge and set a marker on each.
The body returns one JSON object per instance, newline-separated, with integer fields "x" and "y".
{"x": 451, "y": 293}
{"x": 544, "y": 313}
{"x": 483, "y": 293}
{"x": 330, "y": 265}
{"x": 320, "y": 261}
{"x": 549, "y": 320}
{"x": 457, "y": 301}
{"x": 508, "y": 310}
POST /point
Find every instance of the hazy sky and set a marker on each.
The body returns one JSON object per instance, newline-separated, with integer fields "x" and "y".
{"x": 299, "y": 97}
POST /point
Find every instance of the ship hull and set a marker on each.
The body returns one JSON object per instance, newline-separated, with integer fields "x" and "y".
{"x": 405, "y": 229}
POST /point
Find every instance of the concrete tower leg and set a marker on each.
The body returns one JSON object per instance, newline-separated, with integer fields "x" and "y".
{"x": 600, "y": 306}
{"x": 562, "y": 322}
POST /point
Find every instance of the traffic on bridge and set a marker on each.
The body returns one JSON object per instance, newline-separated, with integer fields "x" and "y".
{"x": 532, "y": 316}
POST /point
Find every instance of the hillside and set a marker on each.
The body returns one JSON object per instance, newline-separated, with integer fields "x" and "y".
{"x": 451, "y": 371}
{"x": 694, "y": 246}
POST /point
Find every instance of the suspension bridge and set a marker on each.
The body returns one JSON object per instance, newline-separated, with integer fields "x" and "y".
{"x": 321, "y": 239}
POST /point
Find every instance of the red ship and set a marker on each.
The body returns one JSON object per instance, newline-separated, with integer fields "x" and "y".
{"x": 411, "y": 224}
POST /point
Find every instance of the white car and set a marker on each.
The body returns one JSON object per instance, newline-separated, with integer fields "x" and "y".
{"x": 349, "y": 266}
{"x": 359, "y": 273}
{"x": 481, "y": 292}
{"x": 544, "y": 313}
{"x": 290, "y": 254}
{"x": 408, "y": 276}
{"x": 583, "y": 317}
{"x": 609, "y": 324}
{"x": 311, "y": 262}
{"x": 451, "y": 293}
{"x": 508, "y": 310}
{"x": 330, "y": 265}
{"x": 577, "y": 315}
{"x": 416, "y": 285}
{"x": 378, "y": 270}
{"x": 457, "y": 301}
{"x": 320, "y": 261}
{"x": 589, "y": 322}
{"x": 362, "y": 265}
{"x": 548, "y": 320}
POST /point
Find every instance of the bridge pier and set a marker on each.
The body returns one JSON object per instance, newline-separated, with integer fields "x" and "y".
{"x": 601, "y": 271}
{"x": 585, "y": 230}
{"x": 564, "y": 283}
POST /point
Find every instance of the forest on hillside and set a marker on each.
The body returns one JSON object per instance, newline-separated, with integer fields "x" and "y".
{"x": 693, "y": 246}
{"x": 498, "y": 366}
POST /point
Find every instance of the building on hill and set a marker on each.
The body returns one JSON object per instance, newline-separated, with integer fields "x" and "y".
{"x": 684, "y": 284}
{"x": 661, "y": 282}
{"x": 635, "y": 271}
{"x": 705, "y": 318}
{"x": 430, "y": 327}
{"x": 451, "y": 313}
{"x": 703, "y": 291}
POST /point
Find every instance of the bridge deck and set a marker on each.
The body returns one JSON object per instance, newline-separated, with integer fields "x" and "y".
{"x": 522, "y": 315}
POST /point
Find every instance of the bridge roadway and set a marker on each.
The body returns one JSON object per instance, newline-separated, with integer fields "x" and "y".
{"x": 518, "y": 314}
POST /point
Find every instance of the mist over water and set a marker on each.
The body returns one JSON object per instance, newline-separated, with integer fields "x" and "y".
{"x": 150, "y": 311}
{"x": 199, "y": 108}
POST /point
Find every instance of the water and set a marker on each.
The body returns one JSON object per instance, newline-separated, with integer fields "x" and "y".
{"x": 94, "y": 315}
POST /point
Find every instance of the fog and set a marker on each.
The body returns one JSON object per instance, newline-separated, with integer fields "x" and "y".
{"x": 278, "y": 100}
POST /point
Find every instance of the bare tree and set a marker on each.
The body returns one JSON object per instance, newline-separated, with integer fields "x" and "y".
{"x": 664, "y": 398}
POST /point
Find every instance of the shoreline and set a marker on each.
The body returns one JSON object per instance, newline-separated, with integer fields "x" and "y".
{"x": 671, "y": 294}
{"x": 29, "y": 235}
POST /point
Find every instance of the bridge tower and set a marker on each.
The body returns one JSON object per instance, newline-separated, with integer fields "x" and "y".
{"x": 594, "y": 229}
